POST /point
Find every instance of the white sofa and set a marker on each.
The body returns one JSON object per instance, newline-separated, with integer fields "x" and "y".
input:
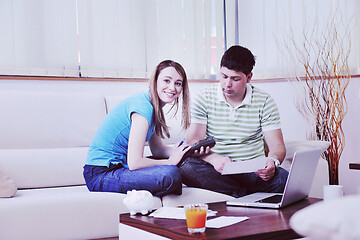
{"x": 44, "y": 138}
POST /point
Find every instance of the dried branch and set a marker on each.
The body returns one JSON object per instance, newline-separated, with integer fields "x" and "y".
{"x": 327, "y": 74}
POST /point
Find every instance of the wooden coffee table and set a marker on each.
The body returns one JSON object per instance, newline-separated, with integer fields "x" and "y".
{"x": 262, "y": 223}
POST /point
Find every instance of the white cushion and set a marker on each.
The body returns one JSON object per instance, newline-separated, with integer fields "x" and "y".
{"x": 112, "y": 101}
{"x": 177, "y": 133}
{"x": 7, "y": 185}
{"x": 47, "y": 167}
{"x": 61, "y": 213}
{"x": 49, "y": 119}
{"x": 194, "y": 195}
{"x": 337, "y": 219}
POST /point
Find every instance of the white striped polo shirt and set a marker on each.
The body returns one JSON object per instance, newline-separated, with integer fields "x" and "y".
{"x": 238, "y": 131}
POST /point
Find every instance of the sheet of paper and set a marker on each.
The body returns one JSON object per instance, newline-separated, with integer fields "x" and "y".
{"x": 175, "y": 213}
{"x": 224, "y": 221}
{"x": 244, "y": 166}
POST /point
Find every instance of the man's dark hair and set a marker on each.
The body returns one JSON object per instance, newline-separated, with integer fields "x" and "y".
{"x": 238, "y": 59}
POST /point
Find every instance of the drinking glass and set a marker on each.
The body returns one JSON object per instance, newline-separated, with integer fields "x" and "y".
{"x": 196, "y": 217}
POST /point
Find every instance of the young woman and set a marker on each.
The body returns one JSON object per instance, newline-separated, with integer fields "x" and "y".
{"x": 115, "y": 161}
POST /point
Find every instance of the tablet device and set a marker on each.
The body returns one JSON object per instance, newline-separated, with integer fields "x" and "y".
{"x": 209, "y": 141}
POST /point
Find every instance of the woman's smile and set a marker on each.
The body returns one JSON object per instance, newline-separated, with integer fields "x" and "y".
{"x": 169, "y": 85}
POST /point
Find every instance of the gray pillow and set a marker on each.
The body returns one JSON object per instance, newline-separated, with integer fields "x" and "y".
{"x": 7, "y": 185}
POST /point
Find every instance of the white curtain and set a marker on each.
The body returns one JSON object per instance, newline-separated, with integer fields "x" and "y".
{"x": 266, "y": 26}
{"x": 38, "y": 37}
{"x": 129, "y": 38}
{"x": 109, "y": 38}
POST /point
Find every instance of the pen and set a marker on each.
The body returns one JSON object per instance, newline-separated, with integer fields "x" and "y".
{"x": 181, "y": 143}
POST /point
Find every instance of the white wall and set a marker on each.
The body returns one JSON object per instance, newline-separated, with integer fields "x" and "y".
{"x": 294, "y": 127}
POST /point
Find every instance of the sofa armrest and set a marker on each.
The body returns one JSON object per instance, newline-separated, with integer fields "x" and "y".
{"x": 295, "y": 146}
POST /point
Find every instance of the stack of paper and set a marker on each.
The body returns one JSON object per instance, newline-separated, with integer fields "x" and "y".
{"x": 244, "y": 166}
{"x": 175, "y": 213}
{"x": 179, "y": 213}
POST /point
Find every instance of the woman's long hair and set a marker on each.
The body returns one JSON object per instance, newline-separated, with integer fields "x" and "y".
{"x": 161, "y": 128}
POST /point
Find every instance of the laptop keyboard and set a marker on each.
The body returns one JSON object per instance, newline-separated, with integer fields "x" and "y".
{"x": 272, "y": 199}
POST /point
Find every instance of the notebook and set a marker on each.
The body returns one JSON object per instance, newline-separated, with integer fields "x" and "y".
{"x": 297, "y": 186}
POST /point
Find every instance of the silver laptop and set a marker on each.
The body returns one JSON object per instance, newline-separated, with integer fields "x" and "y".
{"x": 297, "y": 186}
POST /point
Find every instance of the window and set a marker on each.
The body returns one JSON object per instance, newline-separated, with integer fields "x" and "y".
{"x": 109, "y": 38}
{"x": 267, "y": 27}
{"x": 38, "y": 38}
{"x": 128, "y": 38}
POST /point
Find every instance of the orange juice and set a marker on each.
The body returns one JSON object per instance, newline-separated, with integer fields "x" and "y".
{"x": 195, "y": 218}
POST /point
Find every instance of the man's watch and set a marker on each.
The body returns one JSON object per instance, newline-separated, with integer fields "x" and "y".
{"x": 276, "y": 161}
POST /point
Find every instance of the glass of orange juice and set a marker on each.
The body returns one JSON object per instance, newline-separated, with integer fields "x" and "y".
{"x": 196, "y": 217}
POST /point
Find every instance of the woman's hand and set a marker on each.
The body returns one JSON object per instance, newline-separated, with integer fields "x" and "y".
{"x": 178, "y": 153}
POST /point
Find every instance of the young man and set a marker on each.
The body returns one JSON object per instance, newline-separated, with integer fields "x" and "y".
{"x": 242, "y": 119}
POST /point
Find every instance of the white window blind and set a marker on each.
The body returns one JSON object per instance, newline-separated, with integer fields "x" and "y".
{"x": 267, "y": 26}
{"x": 109, "y": 38}
{"x": 38, "y": 37}
{"x": 129, "y": 38}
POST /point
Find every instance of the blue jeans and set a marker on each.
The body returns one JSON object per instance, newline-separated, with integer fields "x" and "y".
{"x": 198, "y": 173}
{"x": 159, "y": 180}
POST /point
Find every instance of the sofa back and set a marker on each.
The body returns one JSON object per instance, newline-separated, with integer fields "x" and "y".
{"x": 44, "y": 136}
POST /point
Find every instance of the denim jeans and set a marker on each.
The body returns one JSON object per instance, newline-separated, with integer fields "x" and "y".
{"x": 159, "y": 180}
{"x": 198, "y": 173}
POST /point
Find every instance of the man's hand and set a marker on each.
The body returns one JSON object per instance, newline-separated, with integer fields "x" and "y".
{"x": 268, "y": 172}
{"x": 203, "y": 151}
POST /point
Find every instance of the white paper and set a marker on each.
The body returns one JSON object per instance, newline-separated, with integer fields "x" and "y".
{"x": 224, "y": 221}
{"x": 244, "y": 166}
{"x": 175, "y": 213}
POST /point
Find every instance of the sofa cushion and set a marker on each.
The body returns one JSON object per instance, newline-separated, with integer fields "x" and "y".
{"x": 336, "y": 219}
{"x": 7, "y": 185}
{"x": 49, "y": 119}
{"x": 48, "y": 167}
{"x": 62, "y": 213}
{"x": 194, "y": 195}
{"x": 45, "y": 135}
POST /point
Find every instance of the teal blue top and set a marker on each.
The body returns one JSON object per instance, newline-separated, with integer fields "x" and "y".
{"x": 110, "y": 143}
